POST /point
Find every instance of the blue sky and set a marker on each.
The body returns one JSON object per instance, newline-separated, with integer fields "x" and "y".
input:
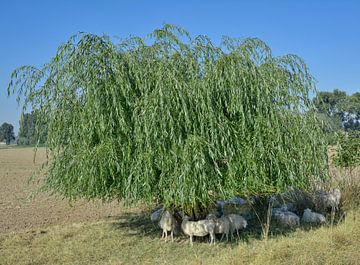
{"x": 326, "y": 34}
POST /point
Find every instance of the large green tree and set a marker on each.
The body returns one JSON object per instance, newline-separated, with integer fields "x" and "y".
{"x": 7, "y": 133}
{"x": 174, "y": 119}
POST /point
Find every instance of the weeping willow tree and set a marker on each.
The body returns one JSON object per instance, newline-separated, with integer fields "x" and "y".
{"x": 173, "y": 119}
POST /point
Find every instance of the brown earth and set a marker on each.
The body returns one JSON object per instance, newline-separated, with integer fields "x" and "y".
{"x": 19, "y": 212}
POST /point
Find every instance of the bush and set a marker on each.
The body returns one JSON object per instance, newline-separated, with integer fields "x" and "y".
{"x": 348, "y": 150}
{"x": 347, "y": 160}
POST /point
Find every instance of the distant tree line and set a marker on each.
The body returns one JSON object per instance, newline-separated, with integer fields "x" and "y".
{"x": 30, "y": 132}
{"x": 338, "y": 111}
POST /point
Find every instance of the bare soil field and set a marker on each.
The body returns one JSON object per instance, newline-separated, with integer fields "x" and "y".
{"x": 18, "y": 212}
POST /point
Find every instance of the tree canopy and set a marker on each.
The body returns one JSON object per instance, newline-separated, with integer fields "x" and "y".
{"x": 174, "y": 119}
{"x": 7, "y": 133}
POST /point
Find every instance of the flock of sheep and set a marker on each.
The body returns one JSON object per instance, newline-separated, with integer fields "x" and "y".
{"x": 324, "y": 201}
{"x": 227, "y": 223}
{"x": 212, "y": 225}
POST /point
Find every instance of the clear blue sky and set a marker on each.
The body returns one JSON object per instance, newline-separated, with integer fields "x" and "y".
{"x": 326, "y": 34}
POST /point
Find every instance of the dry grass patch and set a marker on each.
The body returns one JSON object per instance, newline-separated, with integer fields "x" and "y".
{"x": 119, "y": 241}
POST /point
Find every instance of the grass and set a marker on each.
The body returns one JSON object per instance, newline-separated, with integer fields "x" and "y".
{"x": 4, "y": 146}
{"x": 130, "y": 239}
{"x": 15, "y": 146}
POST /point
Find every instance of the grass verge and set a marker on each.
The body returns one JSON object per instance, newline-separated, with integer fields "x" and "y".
{"x": 131, "y": 239}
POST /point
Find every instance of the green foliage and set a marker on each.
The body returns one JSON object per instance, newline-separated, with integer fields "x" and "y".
{"x": 353, "y": 105}
{"x": 330, "y": 126}
{"x": 348, "y": 150}
{"x": 330, "y": 102}
{"x": 23, "y": 141}
{"x": 174, "y": 119}
{"x": 338, "y": 111}
{"x": 29, "y": 133}
{"x": 7, "y": 133}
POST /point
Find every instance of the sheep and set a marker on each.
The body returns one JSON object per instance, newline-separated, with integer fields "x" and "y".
{"x": 168, "y": 223}
{"x": 325, "y": 200}
{"x": 285, "y": 218}
{"x": 222, "y": 225}
{"x": 198, "y": 228}
{"x": 237, "y": 222}
{"x": 312, "y": 217}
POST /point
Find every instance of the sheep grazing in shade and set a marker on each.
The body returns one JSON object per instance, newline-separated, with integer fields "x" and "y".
{"x": 237, "y": 222}
{"x": 168, "y": 224}
{"x": 286, "y": 218}
{"x": 222, "y": 225}
{"x": 312, "y": 217}
{"x": 327, "y": 200}
{"x": 198, "y": 228}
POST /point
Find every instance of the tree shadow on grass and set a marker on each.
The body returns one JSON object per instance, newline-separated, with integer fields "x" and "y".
{"x": 139, "y": 225}
{"x": 254, "y": 231}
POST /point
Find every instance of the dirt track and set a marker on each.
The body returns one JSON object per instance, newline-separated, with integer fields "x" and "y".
{"x": 18, "y": 212}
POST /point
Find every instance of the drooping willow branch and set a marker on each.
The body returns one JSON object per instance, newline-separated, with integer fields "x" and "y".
{"x": 174, "y": 119}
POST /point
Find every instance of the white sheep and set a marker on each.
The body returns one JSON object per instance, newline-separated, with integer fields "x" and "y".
{"x": 325, "y": 200}
{"x": 286, "y": 218}
{"x": 168, "y": 224}
{"x": 312, "y": 217}
{"x": 222, "y": 225}
{"x": 198, "y": 228}
{"x": 237, "y": 222}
